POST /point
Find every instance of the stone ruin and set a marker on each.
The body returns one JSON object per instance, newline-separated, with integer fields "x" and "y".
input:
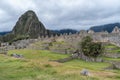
{"x": 116, "y": 30}
{"x": 91, "y": 32}
{"x": 3, "y": 50}
{"x": 21, "y": 44}
{"x": 72, "y": 39}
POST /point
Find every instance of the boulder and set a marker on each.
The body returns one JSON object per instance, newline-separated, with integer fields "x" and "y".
{"x": 85, "y": 72}
{"x": 17, "y": 55}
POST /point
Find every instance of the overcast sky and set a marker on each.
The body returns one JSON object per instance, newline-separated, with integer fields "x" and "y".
{"x": 59, "y": 14}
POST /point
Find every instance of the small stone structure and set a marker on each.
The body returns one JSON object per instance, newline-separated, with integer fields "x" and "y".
{"x": 3, "y": 50}
{"x": 4, "y": 44}
{"x": 116, "y": 30}
{"x": 91, "y": 32}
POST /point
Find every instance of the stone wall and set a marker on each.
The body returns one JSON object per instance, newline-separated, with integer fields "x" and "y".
{"x": 72, "y": 39}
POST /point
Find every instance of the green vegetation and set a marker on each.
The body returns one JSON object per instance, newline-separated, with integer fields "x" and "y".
{"x": 18, "y": 37}
{"x": 90, "y": 48}
{"x": 110, "y": 48}
{"x": 57, "y": 45}
{"x": 111, "y": 59}
{"x": 39, "y": 54}
{"x": 7, "y": 37}
{"x": 12, "y": 37}
{"x": 39, "y": 65}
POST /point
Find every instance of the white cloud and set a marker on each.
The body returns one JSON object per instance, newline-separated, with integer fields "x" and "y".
{"x": 58, "y": 14}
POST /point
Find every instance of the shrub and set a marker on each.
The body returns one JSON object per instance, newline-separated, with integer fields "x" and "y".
{"x": 90, "y": 48}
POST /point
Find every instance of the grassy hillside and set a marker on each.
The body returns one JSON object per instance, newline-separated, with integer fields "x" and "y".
{"x": 37, "y": 65}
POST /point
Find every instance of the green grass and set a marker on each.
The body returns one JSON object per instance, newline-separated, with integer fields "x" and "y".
{"x": 37, "y": 65}
{"x": 111, "y": 46}
{"x": 38, "y": 54}
{"x": 114, "y": 48}
{"x": 111, "y": 59}
{"x": 78, "y": 64}
{"x": 114, "y": 51}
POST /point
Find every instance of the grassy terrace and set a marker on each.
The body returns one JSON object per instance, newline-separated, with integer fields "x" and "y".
{"x": 111, "y": 59}
{"x": 37, "y": 65}
{"x": 114, "y": 49}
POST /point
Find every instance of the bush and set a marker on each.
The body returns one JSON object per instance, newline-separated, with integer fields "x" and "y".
{"x": 90, "y": 48}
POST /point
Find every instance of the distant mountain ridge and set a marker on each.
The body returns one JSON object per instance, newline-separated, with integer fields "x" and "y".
{"x": 4, "y": 33}
{"x": 62, "y": 31}
{"x": 106, "y": 27}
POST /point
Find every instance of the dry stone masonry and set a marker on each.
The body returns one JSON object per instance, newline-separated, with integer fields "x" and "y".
{"x": 72, "y": 39}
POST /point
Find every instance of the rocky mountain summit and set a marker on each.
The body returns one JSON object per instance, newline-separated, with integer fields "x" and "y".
{"x": 29, "y": 24}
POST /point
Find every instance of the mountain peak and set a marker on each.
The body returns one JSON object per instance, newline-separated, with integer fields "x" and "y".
{"x": 30, "y": 13}
{"x": 29, "y": 24}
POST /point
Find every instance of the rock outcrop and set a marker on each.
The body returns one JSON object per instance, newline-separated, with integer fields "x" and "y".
{"x": 29, "y": 24}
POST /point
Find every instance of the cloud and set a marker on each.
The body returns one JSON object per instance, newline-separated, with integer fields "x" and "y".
{"x": 58, "y": 14}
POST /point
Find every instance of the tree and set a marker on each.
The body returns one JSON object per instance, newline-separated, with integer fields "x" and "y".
{"x": 90, "y": 48}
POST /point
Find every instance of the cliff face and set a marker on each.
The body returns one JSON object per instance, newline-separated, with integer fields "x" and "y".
{"x": 29, "y": 24}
